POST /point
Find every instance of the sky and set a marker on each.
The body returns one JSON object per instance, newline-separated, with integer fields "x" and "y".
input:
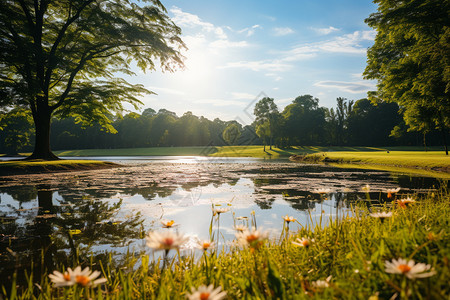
{"x": 240, "y": 51}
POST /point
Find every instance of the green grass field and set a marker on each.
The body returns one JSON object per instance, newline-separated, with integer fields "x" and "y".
{"x": 154, "y": 151}
{"x": 413, "y": 158}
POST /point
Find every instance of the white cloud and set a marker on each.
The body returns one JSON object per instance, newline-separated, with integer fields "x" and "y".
{"x": 242, "y": 96}
{"x": 349, "y": 87}
{"x": 249, "y": 31}
{"x": 220, "y": 102}
{"x": 182, "y": 18}
{"x": 228, "y": 44}
{"x": 165, "y": 90}
{"x": 261, "y": 65}
{"x": 275, "y": 76}
{"x": 348, "y": 43}
{"x": 325, "y": 31}
{"x": 281, "y": 31}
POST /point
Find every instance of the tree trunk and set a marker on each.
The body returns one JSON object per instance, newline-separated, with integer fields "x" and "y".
{"x": 42, "y": 149}
{"x": 444, "y": 139}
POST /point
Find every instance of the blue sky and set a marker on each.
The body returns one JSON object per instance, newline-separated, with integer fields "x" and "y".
{"x": 284, "y": 49}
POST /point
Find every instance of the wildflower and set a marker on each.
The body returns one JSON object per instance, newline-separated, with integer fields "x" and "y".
{"x": 304, "y": 242}
{"x": 381, "y": 215}
{"x": 167, "y": 223}
{"x": 252, "y": 238}
{"x": 366, "y": 188}
{"x": 408, "y": 268}
{"x": 403, "y": 203}
{"x": 218, "y": 211}
{"x": 204, "y": 245}
{"x": 206, "y": 293}
{"x": 389, "y": 192}
{"x": 240, "y": 228}
{"x": 321, "y": 191}
{"x": 84, "y": 278}
{"x": 321, "y": 284}
{"x": 62, "y": 279}
{"x": 165, "y": 240}
{"x": 289, "y": 219}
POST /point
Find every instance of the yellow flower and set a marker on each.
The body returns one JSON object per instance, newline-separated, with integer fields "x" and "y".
{"x": 165, "y": 240}
{"x": 289, "y": 219}
{"x": 206, "y": 293}
{"x": 408, "y": 268}
{"x": 167, "y": 223}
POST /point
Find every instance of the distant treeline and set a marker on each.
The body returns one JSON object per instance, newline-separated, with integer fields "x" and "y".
{"x": 302, "y": 122}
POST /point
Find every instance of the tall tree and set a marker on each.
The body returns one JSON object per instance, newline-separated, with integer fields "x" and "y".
{"x": 59, "y": 57}
{"x": 232, "y": 133}
{"x": 266, "y": 113}
{"x": 411, "y": 59}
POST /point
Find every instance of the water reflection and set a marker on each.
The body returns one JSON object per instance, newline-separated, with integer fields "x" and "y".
{"x": 69, "y": 217}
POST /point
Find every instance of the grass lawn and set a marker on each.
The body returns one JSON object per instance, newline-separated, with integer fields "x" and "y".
{"x": 153, "y": 151}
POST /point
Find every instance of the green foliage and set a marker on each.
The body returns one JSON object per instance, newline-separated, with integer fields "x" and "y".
{"x": 410, "y": 59}
{"x": 232, "y": 133}
{"x": 266, "y": 116}
{"x": 15, "y": 130}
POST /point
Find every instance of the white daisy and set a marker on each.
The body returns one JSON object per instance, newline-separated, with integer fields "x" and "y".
{"x": 408, "y": 268}
{"x": 206, "y": 293}
{"x": 220, "y": 210}
{"x": 84, "y": 278}
{"x": 381, "y": 215}
{"x": 62, "y": 279}
{"x": 204, "y": 245}
{"x": 403, "y": 203}
{"x": 165, "y": 240}
{"x": 303, "y": 242}
{"x": 322, "y": 191}
{"x": 322, "y": 284}
{"x": 240, "y": 228}
{"x": 252, "y": 238}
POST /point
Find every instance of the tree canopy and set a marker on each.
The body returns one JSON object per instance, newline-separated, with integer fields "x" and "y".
{"x": 60, "y": 57}
{"x": 411, "y": 60}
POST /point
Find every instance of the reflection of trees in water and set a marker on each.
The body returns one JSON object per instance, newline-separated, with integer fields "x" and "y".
{"x": 62, "y": 234}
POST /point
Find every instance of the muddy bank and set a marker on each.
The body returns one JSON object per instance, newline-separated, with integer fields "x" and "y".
{"x": 12, "y": 168}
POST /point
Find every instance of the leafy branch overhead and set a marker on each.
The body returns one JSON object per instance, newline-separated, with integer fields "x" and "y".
{"x": 62, "y": 56}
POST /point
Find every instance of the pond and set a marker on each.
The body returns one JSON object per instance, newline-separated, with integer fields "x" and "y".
{"x": 69, "y": 217}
